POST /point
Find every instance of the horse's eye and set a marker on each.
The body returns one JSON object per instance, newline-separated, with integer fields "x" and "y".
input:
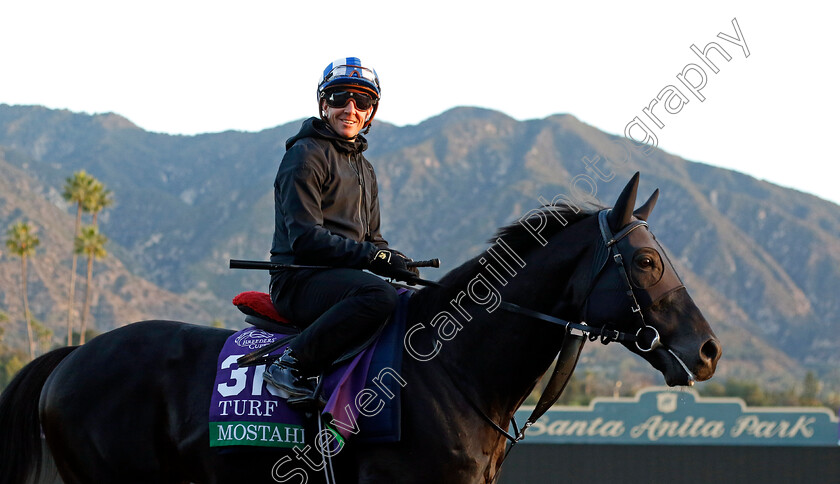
{"x": 646, "y": 269}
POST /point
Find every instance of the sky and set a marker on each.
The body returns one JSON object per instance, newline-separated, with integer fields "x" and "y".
{"x": 189, "y": 67}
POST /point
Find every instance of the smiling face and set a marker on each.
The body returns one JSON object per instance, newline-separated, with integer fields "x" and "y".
{"x": 346, "y": 121}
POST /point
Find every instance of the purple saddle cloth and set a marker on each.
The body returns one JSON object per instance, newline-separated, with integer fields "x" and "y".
{"x": 245, "y": 410}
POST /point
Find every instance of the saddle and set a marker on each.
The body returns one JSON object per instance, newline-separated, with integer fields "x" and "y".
{"x": 260, "y": 312}
{"x": 374, "y": 365}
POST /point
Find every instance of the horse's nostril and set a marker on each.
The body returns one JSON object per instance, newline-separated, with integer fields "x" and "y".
{"x": 711, "y": 350}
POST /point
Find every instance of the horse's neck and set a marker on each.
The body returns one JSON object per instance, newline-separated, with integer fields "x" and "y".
{"x": 497, "y": 356}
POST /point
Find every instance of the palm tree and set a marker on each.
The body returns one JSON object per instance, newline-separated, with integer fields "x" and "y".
{"x": 76, "y": 190}
{"x": 22, "y": 242}
{"x": 43, "y": 335}
{"x": 3, "y": 320}
{"x": 98, "y": 199}
{"x": 91, "y": 243}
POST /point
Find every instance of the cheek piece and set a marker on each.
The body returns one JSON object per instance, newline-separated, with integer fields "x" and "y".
{"x": 625, "y": 241}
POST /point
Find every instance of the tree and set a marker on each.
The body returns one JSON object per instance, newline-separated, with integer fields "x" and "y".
{"x": 10, "y": 364}
{"x": 22, "y": 242}
{"x": 43, "y": 335}
{"x": 810, "y": 389}
{"x": 92, "y": 244}
{"x": 3, "y": 320}
{"x": 97, "y": 200}
{"x": 76, "y": 190}
{"x": 750, "y": 391}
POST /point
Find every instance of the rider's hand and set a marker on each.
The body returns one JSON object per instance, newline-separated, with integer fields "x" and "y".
{"x": 415, "y": 270}
{"x": 390, "y": 263}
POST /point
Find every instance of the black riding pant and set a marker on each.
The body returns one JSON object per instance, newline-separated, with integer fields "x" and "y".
{"x": 339, "y": 309}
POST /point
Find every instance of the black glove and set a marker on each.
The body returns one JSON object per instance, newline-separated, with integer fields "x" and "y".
{"x": 414, "y": 270}
{"x": 390, "y": 263}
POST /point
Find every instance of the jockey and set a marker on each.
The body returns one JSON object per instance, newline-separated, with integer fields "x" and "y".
{"x": 326, "y": 204}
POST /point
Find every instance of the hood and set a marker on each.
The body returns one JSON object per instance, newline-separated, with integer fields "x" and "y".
{"x": 317, "y": 128}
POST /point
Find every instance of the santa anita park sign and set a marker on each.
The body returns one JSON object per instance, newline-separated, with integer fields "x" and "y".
{"x": 663, "y": 416}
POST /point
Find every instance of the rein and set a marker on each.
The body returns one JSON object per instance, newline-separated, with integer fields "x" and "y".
{"x": 646, "y": 338}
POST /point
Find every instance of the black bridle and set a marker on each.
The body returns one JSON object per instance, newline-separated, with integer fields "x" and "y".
{"x": 646, "y": 337}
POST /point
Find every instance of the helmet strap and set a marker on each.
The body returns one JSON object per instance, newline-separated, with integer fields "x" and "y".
{"x": 369, "y": 120}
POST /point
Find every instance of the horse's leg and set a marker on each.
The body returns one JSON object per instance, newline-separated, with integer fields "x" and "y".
{"x": 266, "y": 466}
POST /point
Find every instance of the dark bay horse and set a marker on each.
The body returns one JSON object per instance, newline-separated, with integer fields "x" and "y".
{"x": 132, "y": 404}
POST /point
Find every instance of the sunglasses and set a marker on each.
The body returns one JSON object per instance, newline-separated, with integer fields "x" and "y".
{"x": 341, "y": 98}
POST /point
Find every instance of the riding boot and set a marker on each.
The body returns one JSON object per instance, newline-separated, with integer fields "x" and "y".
{"x": 285, "y": 374}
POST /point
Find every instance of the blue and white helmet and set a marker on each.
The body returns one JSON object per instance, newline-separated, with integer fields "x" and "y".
{"x": 349, "y": 72}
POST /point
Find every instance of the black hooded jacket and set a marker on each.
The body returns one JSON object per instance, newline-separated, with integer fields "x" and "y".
{"x": 326, "y": 201}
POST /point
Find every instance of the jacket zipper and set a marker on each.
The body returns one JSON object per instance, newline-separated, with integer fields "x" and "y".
{"x": 361, "y": 195}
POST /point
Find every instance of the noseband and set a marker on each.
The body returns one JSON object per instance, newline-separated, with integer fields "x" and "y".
{"x": 646, "y": 337}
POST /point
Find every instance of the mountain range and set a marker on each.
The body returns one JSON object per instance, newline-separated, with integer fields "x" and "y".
{"x": 761, "y": 261}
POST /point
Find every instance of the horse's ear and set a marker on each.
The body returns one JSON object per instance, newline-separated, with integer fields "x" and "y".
{"x": 623, "y": 209}
{"x": 643, "y": 212}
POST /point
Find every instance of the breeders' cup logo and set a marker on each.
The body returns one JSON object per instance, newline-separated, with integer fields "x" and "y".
{"x": 254, "y": 338}
{"x": 666, "y": 402}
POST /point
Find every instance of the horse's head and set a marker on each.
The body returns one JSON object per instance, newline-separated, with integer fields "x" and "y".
{"x": 637, "y": 290}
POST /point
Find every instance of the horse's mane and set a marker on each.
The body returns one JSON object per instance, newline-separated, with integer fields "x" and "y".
{"x": 516, "y": 236}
